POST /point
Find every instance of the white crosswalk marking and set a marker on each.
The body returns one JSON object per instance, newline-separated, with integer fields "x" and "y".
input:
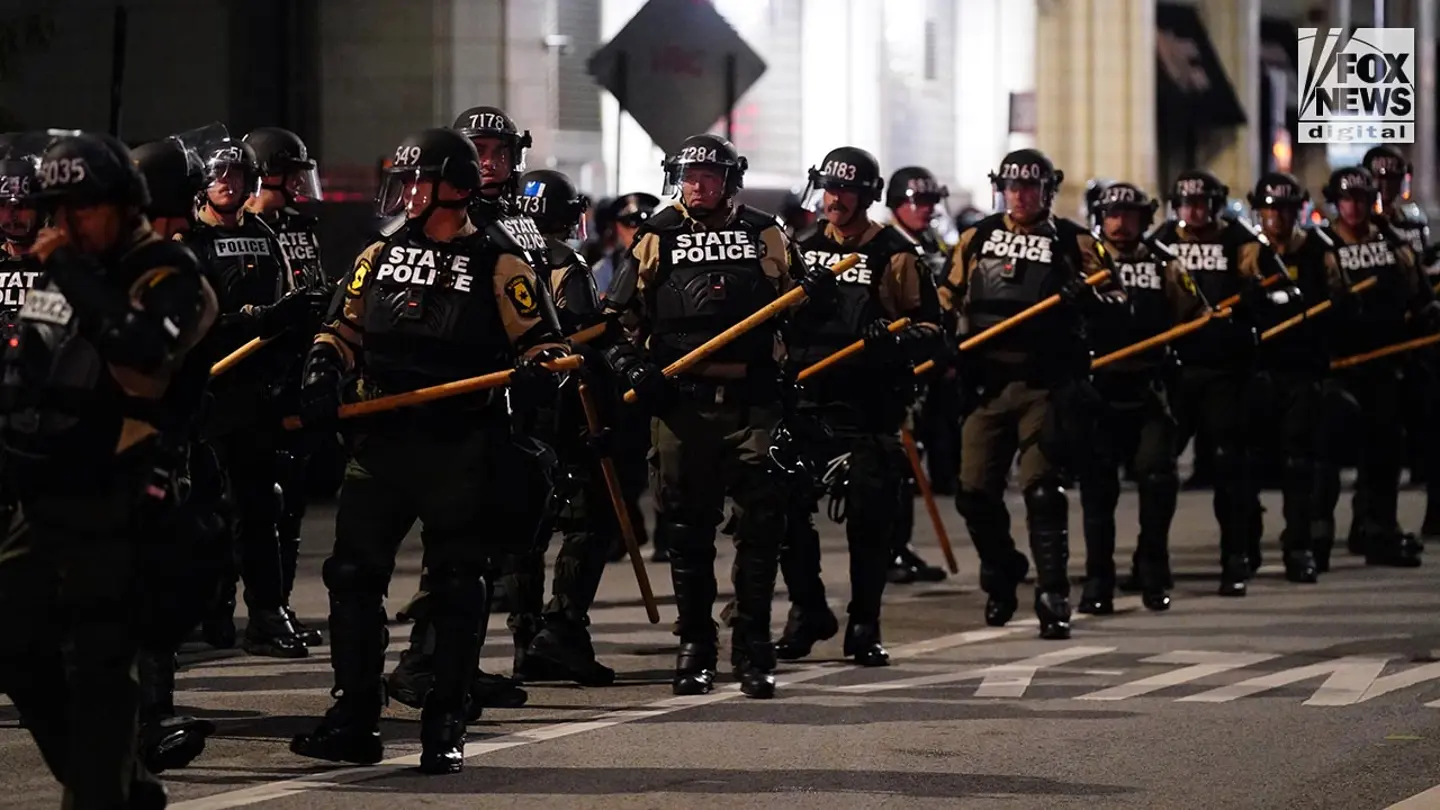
{"x": 1346, "y": 682}
{"x": 1201, "y": 664}
{"x": 998, "y": 680}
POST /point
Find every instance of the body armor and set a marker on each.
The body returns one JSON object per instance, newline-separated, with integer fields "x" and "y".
{"x": 570, "y": 283}
{"x": 1013, "y": 271}
{"x": 822, "y": 330}
{"x": 1304, "y": 346}
{"x": 1381, "y": 320}
{"x": 430, "y": 312}
{"x": 933, "y": 252}
{"x": 62, "y": 406}
{"x": 1213, "y": 263}
{"x": 1142, "y": 274}
{"x": 706, "y": 282}
{"x": 246, "y": 262}
{"x": 299, "y": 241}
{"x": 1411, "y": 225}
{"x": 17, "y": 274}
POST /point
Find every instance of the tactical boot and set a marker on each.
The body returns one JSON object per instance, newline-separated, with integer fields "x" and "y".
{"x": 270, "y": 634}
{"x": 1234, "y": 572}
{"x": 411, "y": 679}
{"x": 803, "y": 629}
{"x": 350, "y": 732}
{"x": 1098, "y": 597}
{"x": 909, "y": 566}
{"x": 442, "y": 739}
{"x": 1053, "y": 611}
{"x": 1391, "y": 548}
{"x": 217, "y": 628}
{"x": 695, "y": 668}
{"x": 491, "y": 691}
{"x": 1153, "y": 582}
{"x": 565, "y": 644}
{"x": 1300, "y": 566}
{"x": 862, "y": 644}
{"x": 1322, "y": 540}
{"x": 1001, "y": 586}
{"x": 308, "y": 636}
{"x": 169, "y": 743}
{"x": 753, "y": 661}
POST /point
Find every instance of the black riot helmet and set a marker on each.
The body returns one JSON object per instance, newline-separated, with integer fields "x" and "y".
{"x": 1351, "y": 181}
{"x": 19, "y": 179}
{"x": 1386, "y": 161}
{"x": 549, "y": 198}
{"x": 232, "y": 171}
{"x": 632, "y": 209}
{"x": 914, "y": 183}
{"x": 492, "y": 122}
{"x": 1202, "y": 185}
{"x": 1277, "y": 190}
{"x": 92, "y": 168}
{"x": 281, "y": 153}
{"x": 173, "y": 174}
{"x": 1125, "y": 197}
{"x": 1029, "y": 166}
{"x": 707, "y": 151}
{"x": 1093, "y": 189}
{"x": 849, "y": 168}
{"x": 434, "y": 155}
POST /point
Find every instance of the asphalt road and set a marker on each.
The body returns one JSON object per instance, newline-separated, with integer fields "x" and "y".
{"x": 1320, "y": 696}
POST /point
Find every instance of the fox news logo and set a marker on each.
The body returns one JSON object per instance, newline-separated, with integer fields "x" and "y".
{"x": 1357, "y": 87}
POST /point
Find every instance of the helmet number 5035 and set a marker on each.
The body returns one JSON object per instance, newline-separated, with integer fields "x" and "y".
{"x": 62, "y": 171}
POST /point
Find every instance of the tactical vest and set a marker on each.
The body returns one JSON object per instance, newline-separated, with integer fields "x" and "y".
{"x": 1410, "y": 224}
{"x": 824, "y": 329}
{"x": 17, "y": 274}
{"x": 300, "y": 244}
{"x": 1142, "y": 274}
{"x": 706, "y": 282}
{"x": 246, "y": 262}
{"x": 1304, "y": 346}
{"x": 933, "y": 253}
{"x": 1213, "y": 263}
{"x": 62, "y": 406}
{"x": 430, "y": 310}
{"x": 1010, "y": 272}
{"x": 1381, "y": 320}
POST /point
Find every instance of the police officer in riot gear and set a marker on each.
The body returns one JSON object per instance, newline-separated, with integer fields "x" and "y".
{"x": 1094, "y": 193}
{"x": 20, "y": 221}
{"x": 175, "y": 178}
{"x": 1225, "y": 259}
{"x": 695, "y": 269}
{"x": 1295, "y": 361}
{"x": 1372, "y": 319}
{"x": 258, "y": 298}
{"x": 552, "y": 641}
{"x": 1136, "y": 425}
{"x": 287, "y": 175}
{"x": 86, "y": 452}
{"x": 863, "y": 400}
{"x": 1025, "y": 378}
{"x": 435, "y": 302}
{"x": 913, "y": 197}
{"x": 501, "y": 146}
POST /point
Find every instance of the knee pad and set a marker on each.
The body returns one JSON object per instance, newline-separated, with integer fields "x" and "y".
{"x": 685, "y": 537}
{"x": 460, "y": 589}
{"x": 348, "y": 578}
{"x": 1045, "y": 500}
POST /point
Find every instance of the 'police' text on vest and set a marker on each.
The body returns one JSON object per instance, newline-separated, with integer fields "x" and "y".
{"x": 1197, "y": 256}
{"x": 420, "y": 267}
{"x": 1365, "y": 256}
{"x": 859, "y": 274}
{"x": 1019, "y": 246}
{"x": 1139, "y": 275}
{"x": 714, "y": 246}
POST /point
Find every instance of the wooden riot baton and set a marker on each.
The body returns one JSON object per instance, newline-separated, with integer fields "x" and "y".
{"x": 1384, "y": 351}
{"x": 1359, "y": 286}
{"x": 622, "y": 512}
{"x": 770, "y": 310}
{"x": 588, "y": 334}
{"x": 924, "y": 483}
{"x": 230, "y": 360}
{"x": 420, "y": 396}
{"x": 1013, "y": 321}
{"x": 849, "y": 351}
{"x": 1222, "y": 310}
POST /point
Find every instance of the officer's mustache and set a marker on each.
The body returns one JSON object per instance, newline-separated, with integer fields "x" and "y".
{"x": 837, "y": 208}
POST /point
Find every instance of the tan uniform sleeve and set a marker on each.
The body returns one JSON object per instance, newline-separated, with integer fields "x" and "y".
{"x": 518, "y": 300}
{"x": 1181, "y": 292}
{"x": 777, "y": 258}
{"x": 345, "y": 332}
{"x": 1249, "y": 261}
{"x": 1335, "y": 279}
{"x": 1092, "y": 261}
{"x": 905, "y": 292}
{"x": 645, "y": 253}
{"x": 956, "y": 273}
{"x": 557, "y": 286}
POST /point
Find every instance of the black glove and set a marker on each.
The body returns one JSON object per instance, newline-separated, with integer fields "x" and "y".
{"x": 603, "y": 444}
{"x": 533, "y": 385}
{"x": 320, "y": 389}
{"x": 646, "y": 379}
{"x": 879, "y": 340}
{"x": 1346, "y": 304}
{"x": 1076, "y": 292}
{"x": 818, "y": 283}
{"x": 293, "y": 310}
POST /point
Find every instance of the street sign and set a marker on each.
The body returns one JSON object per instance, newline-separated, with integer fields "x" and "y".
{"x": 676, "y": 67}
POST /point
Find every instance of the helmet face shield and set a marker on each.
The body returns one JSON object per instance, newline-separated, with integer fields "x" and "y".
{"x": 408, "y": 192}
{"x": 303, "y": 183}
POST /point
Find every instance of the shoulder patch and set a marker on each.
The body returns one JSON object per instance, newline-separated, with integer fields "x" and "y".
{"x": 522, "y": 294}
{"x": 1188, "y": 282}
{"x": 357, "y": 280}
